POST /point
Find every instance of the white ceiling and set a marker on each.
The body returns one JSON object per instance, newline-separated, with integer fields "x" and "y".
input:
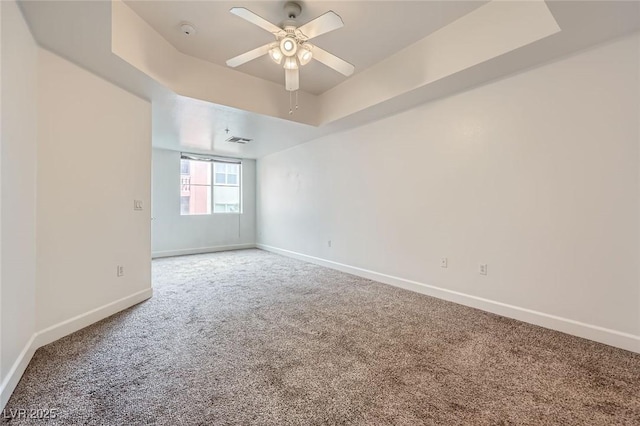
{"x": 203, "y": 127}
{"x": 373, "y": 31}
{"x": 81, "y": 32}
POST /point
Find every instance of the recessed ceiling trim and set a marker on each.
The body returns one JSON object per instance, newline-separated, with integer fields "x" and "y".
{"x": 461, "y": 45}
{"x": 492, "y": 30}
{"x": 137, "y": 43}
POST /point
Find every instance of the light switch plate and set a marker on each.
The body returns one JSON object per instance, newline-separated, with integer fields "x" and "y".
{"x": 137, "y": 204}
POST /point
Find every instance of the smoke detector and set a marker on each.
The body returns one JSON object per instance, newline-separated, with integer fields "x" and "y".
{"x": 188, "y": 28}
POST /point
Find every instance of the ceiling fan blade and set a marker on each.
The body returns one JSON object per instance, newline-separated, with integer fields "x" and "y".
{"x": 248, "y": 15}
{"x": 249, "y": 56}
{"x": 322, "y": 24}
{"x": 291, "y": 80}
{"x": 332, "y": 61}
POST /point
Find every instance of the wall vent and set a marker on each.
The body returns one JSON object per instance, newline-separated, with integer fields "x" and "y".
{"x": 236, "y": 139}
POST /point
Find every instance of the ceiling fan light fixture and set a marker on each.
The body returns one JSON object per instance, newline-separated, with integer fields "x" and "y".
{"x": 288, "y": 46}
{"x": 304, "y": 55}
{"x": 276, "y": 55}
{"x": 291, "y": 45}
{"x": 290, "y": 63}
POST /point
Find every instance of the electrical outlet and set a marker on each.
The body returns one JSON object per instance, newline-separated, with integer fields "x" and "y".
{"x": 482, "y": 269}
{"x": 329, "y": 243}
{"x": 444, "y": 262}
{"x": 120, "y": 271}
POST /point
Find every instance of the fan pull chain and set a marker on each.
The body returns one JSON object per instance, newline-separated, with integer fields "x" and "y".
{"x": 290, "y": 110}
{"x": 291, "y": 102}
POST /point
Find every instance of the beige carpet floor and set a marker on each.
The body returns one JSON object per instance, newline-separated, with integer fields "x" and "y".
{"x": 253, "y": 338}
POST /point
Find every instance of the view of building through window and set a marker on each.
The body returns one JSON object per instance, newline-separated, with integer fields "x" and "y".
{"x": 206, "y": 183}
{"x": 226, "y": 188}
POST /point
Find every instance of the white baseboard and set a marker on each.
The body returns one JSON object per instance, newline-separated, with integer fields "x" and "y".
{"x": 200, "y": 250}
{"x": 607, "y": 336}
{"x": 64, "y": 328}
{"x": 17, "y": 370}
{"x": 57, "y": 331}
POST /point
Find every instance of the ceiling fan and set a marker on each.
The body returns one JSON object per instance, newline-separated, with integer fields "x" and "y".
{"x": 292, "y": 43}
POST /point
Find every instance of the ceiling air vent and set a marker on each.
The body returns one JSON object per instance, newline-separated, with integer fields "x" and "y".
{"x": 236, "y": 139}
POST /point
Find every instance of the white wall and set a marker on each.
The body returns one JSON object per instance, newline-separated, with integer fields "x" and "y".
{"x": 174, "y": 234}
{"x": 95, "y": 158}
{"x": 535, "y": 175}
{"x": 18, "y": 187}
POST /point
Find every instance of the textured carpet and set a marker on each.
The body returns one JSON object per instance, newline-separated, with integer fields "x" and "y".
{"x": 249, "y": 337}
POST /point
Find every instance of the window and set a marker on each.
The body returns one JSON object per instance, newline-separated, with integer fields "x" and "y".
{"x": 226, "y": 188}
{"x": 226, "y": 174}
{"x": 185, "y": 167}
{"x": 185, "y": 202}
{"x": 205, "y": 182}
{"x": 195, "y": 187}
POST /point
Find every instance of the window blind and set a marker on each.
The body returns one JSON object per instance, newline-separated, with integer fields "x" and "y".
{"x": 210, "y": 158}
